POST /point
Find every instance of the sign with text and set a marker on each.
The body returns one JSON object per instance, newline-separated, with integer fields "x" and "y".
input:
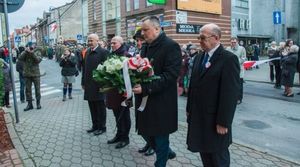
{"x": 206, "y": 6}
{"x": 187, "y": 28}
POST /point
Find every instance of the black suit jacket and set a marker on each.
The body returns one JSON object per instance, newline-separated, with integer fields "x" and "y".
{"x": 90, "y": 63}
{"x": 160, "y": 116}
{"x": 212, "y": 99}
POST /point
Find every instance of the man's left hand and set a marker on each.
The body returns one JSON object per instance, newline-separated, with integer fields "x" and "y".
{"x": 221, "y": 130}
{"x": 137, "y": 89}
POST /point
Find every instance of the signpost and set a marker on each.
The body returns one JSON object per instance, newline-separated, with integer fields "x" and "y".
{"x": 9, "y": 6}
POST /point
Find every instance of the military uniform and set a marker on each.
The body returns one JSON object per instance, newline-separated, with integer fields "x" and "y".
{"x": 32, "y": 75}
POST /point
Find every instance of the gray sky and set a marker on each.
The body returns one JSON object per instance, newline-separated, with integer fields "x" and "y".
{"x": 30, "y": 10}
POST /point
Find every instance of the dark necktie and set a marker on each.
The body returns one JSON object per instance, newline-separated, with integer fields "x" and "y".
{"x": 204, "y": 61}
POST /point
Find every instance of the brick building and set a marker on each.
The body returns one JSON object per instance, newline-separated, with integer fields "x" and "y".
{"x": 180, "y": 20}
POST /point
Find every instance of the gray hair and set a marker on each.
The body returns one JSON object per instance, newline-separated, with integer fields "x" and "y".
{"x": 153, "y": 20}
{"x": 94, "y": 36}
{"x": 119, "y": 39}
{"x": 294, "y": 49}
{"x": 214, "y": 29}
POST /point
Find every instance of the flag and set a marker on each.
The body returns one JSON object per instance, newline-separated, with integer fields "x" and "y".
{"x": 53, "y": 27}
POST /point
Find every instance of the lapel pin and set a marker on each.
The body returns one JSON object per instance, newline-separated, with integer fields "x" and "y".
{"x": 207, "y": 65}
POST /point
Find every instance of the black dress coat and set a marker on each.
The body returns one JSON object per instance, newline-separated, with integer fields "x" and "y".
{"x": 160, "y": 116}
{"x": 289, "y": 68}
{"x": 91, "y": 62}
{"x": 212, "y": 100}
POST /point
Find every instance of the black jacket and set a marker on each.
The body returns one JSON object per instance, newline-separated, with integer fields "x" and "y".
{"x": 68, "y": 66}
{"x": 160, "y": 116}
{"x": 91, "y": 62}
{"x": 212, "y": 99}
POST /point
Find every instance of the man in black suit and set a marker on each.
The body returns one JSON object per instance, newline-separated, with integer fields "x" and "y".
{"x": 212, "y": 99}
{"x": 160, "y": 116}
{"x": 95, "y": 55}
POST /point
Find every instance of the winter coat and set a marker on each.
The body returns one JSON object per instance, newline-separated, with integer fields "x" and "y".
{"x": 160, "y": 116}
{"x": 91, "y": 61}
{"x": 31, "y": 63}
{"x": 68, "y": 66}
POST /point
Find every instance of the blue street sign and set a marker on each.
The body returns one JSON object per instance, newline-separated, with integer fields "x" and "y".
{"x": 79, "y": 37}
{"x": 277, "y": 17}
{"x": 17, "y": 39}
{"x": 165, "y": 24}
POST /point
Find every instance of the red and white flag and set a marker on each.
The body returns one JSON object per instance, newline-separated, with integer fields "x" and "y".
{"x": 53, "y": 27}
{"x": 249, "y": 64}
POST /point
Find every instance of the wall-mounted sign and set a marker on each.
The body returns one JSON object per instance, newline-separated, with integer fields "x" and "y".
{"x": 181, "y": 17}
{"x": 187, "y": 28}
{"x": 206, "y": 6}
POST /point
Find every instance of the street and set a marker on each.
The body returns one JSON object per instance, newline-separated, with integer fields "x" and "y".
{"x": 265, "y": 122}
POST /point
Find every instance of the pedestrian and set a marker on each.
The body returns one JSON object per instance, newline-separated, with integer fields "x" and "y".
{"x": 298, "y": 68}
{"x": 94, "y": 56}
{"x": 240, "y": 52}
{"x": 7, "y": 82}
{"x": 212, "y": 99}
{"x": 193, "y": 53}
{"x": 32, "y": 59}
{"x": 68, "y": 72}
{"x": 20, "y": 70}
{"x": 277, "y": 64}
{"x": 114, "y": 100}
{"x": 289, "y": 68}
{"x": 256, "y": 53}
{"x": 147, "y": 150}
{"x": 182, "y": 79}
{"x": 271, "y": 53}
{"x": 160, "y": 116}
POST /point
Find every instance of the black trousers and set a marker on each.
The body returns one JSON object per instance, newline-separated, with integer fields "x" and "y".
{"x": 272, "y": 73}
{"x": 241, "y": 92}
{"x": 6, "y": 98}
{"x": 277, "y": 75}
{"x": 217, "y": 159}
{"x": 123, "y": 122}
{"x": 98, "y": 114}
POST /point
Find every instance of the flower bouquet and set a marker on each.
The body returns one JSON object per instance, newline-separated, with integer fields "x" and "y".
{"x": 114, "y": 71}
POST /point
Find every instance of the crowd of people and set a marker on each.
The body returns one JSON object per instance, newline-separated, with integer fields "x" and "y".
{"x": 210, "y": 76}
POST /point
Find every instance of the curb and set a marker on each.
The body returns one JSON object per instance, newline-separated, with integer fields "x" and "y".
{"x": 253, "y": 147}
{"x": 24, "y": 156}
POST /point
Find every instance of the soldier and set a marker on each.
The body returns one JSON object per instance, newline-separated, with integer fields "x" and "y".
{"x": 31, "y": 59}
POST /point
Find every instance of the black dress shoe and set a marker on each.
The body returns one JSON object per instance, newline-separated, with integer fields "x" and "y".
{"x": 99, "y": 132}
{"x": 116, "y": 139}
{"x": 122, "y": 144}
{"x": 149, "y": 152}
{"x": 172, "y": 155}
{"x": 144, "y": 149}
{"x": 91, "y": 130}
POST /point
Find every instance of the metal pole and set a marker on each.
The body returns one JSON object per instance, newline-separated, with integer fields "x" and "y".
{"x": 10, "y": 62}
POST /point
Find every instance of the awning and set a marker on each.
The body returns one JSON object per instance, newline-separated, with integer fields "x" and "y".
{"x": 254, "y": 36}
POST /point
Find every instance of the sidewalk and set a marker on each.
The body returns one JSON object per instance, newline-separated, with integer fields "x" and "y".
{"x": 263, "y": 75}
{"x": 56, "y": 136}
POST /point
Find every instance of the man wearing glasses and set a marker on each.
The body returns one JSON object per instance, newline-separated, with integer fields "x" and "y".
{"x": 212, "y": 99}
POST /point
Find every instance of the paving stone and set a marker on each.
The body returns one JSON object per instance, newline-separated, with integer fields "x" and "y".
{"x": 106, "y": 163}
{"x": 39, "y": 153}
{"x": 76, "y": 154}
{"x": 45, "y": 163}
{"x": 86, "y": 163}
{"x": 65, "y": 163}
{"x": 66, "y": 156}
{"x": 96, "y": 160}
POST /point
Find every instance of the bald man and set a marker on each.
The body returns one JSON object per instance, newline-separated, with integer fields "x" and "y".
{"x": 94, "y": 56}
{"x": 212, "y": 99}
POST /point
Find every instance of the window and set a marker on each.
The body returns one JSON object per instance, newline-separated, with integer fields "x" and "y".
{"x": 242, "y": 3}
{"x": 94, "y": 10}
{"x": 127, "y": 5}
{"x": 148, "y": 3}
{"x": 136, "y": 4}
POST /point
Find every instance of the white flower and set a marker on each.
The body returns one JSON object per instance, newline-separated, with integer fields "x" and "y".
{"x": 100, "y": 67}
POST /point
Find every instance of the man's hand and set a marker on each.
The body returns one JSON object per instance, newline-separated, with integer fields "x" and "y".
{"x": 137, "y": 89}
{"x": 221, "y": 130}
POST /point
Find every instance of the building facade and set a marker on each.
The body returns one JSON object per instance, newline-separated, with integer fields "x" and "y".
{"x": 180, "y": 20}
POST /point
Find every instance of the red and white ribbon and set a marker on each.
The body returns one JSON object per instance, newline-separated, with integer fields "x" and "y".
{"x": 249, "y": 64}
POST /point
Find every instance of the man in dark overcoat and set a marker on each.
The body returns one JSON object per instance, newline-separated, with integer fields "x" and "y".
{"x": 95, "y": 56}
{"x": 212, "y": 99}
{"x": 159, "y": 118}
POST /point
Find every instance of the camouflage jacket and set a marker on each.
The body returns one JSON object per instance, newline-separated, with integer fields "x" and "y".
{"x": 31, "y": 63}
